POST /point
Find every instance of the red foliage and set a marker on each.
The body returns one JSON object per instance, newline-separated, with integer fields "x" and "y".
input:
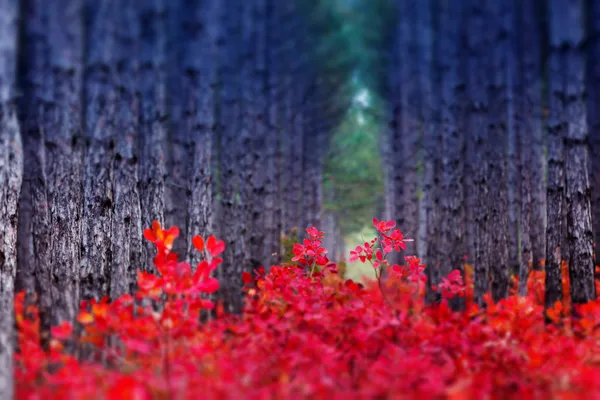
{"x": 307, "y": 333}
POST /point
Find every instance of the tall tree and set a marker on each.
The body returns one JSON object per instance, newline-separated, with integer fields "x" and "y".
{"x": 229, "y": 124}
{"x": 593, "y": 96}
{"x": 126, "y": 246}
{"x": 100, "y": 113}
{"x": 579, "y": 215}
{"x": 557, "y": 124}
{"x": 499, "y": 17}
{"x": 202, "y": 33}
{"x": 477, "y": 85}
{"x": 11, "y": 175}
{"x": 431, "y": 49}
{"x": 448, "y": 84}
{"x": 273, "y": 191}
{"x": 528, "y": 125}
{"x": 152, "y": 15}
{"x": 408, "y": 159}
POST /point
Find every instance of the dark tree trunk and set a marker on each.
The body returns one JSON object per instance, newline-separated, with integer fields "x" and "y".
{"x": 254, "y": 150}
{"x": 230, "y": 220}
{"x": 579, "y": 213}
{"x": 182, "y": 44}
{"x": 34, "y": 101}
{"x": 51, "y": 199}
{"x": 273, "y": 194}
{"x": 528, "y": 111}
{"x": 127, "y": 246}
{"x": 64, "y": 157}
{"x": 201, "y": 26}
{"x": 557, "y": 126}
{"x": 452, "y": 235}
{"x": 477, "y": 131}
{"x": 101, "y": 109}
{"x": 153, "y": 113}
{"x": 498, "y": 200}
{"x": 11, "y": 175}
{"x": 432, "y": 78}
{"x": 408, "y": 158}
{"x": 593, "y": 113}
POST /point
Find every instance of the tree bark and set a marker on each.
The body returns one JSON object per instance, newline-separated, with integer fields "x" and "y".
{"x": 407, "y": 203}
{"x": 202, "y": 32}
{"x": 101, "y": 109}
{"x": 528, "y": 109}
{"x": 557, "y": 125}
{"x": 593, "y": 113}
{"x": 477, "y": 84}
{"x": 11, "y": 176}
{"x": 127, "y": 245}
{"x": 498, "y": 201}
{"x": 153, "y": 113}
{"x": 451, "y": 198}
{"x": 231, "y": 223}
{"x": 579, "y": 213}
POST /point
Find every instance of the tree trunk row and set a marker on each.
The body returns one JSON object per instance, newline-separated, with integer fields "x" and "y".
{"x": 506, "y": 124}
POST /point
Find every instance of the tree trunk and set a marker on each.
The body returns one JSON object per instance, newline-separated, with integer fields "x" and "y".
{"x": 127, "y": 246}
{"x": 528, "y": 108}
{"x": 593, "y": 113}
{"x": 101, "y": 109}
{"x": 199, "y": 102}
{"x": 478, "y": 46}
{"x": 254, "y": 150}
{"x": 579, "y": 213}
{"x": 153, "y": 113}
{"x": 451, "y": 198}
{"x": 431, "y": 79}
{"x": 407, "y": 202}
{"x": 35, "y": 89}
{"x": 557, "y": 125}
{"x": 64, "y": 157}
{"x": 498, "y": 200}
{"x": 532, "y": 125}
{"x": 11, "y": 175}
{"x": 273, "y": 194}
{"x": 231, "y": 223}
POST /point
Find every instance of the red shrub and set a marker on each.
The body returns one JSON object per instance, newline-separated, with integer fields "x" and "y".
{"x": 305, "y": 332}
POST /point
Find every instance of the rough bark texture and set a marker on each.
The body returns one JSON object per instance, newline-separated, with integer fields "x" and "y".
{"x": 508, "y": 14}
{"x": 35, "y": 91}
{"x": 64, "y": 156}
{"x": 100, "y": 100}
{"x": 452, "y": 235}
{"x": 254, "y": 149}
{"x": 431, "y": 110}
{"x": 497, "y": 154}
{"x": 11, "y": 176}
{"x": 593, "y": 113}
{"x": 230, "y": 222}
{"x": 126, "y": 246}
{"x": 202, "y": 33}
{"x": 154, "y": 118}
{"x": 557, "y": 126}
{"x": 528, "y": 127}
{"x": 273, "y": 194}
{"x": 407, "y": 203}
{"x": 579, "y": 215}
{"x": 478, "y": 45}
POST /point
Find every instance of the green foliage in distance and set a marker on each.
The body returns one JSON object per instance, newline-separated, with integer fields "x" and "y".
{"x": 353, "y": 43}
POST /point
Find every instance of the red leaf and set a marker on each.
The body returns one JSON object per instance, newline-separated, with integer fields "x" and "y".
{"x": 246, "y": 277}
{"x": 214, "y": 246}
{"x": 198, "y": 242}
{"x": 62, "y": 331}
